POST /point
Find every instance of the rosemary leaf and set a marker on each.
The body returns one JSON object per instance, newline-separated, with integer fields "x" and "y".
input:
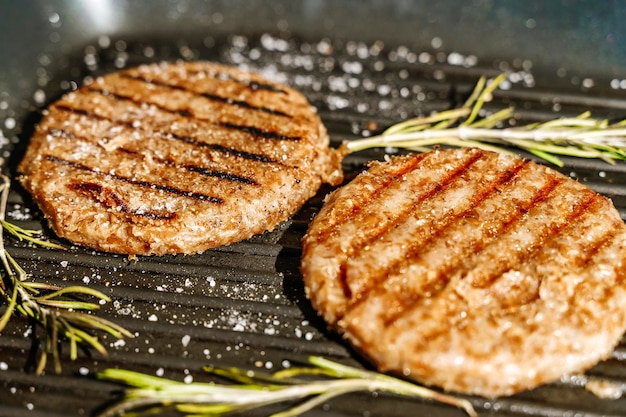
{"x": 75, "y": 290}
{"x": 67, "y": 304}
{"x": 313, "y": 402}
{"x": 57, "y": 310}
{"x": 73, "y": 340}
{"x": 28, "y": 235}
{"x": 34, "y": 286}
{"x": 423, "y": 122}
{"x": 484, "y": 95}
{"x": 547, "y": 157}
{"x": 581, "y": 136}
{"x": 258, "y": 390}
{"x": 11, "y": 306}
{"x": 97, "y": 323}
{"x": 134, "y": 379}
{"x": 42, "y": 362}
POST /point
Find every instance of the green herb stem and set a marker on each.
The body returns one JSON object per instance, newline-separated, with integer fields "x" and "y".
{"x": 254, "y": 391}
{"x": 581, "y": 137}
{"x": 57, "y": 310}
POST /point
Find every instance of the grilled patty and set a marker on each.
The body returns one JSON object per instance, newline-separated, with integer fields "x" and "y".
{"x": 477, "y": 272}
{"x": 176, "y": 158}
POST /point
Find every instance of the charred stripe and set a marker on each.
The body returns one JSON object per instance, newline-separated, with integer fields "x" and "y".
{"x": 210, "y": 96}
{"x": 241, "y": 154}
{"x": 146, "y": 184}
{"x": 168, "y": 135}
{"x": 571, "y": 219}
{"x": 220, "y": 174}
{"x": 220, "y": 148}
{"x": 252, "y": 130}
{"x": 111, "y": 200}
{"x": 368, "y": 194}
{"x": 458, "y": 264}
{"x": 253, "y": 85}
{"x": 193, "y": 168}
{"x": 372, "y": 235}
{"x": 255, "y": 131}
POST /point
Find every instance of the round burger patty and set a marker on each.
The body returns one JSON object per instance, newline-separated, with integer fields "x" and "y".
{"x": 176, "y": 158}
{"x": 477, "y": 272}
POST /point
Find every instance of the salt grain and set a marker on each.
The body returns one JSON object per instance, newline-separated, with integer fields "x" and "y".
{"x": 39, "y": 97}
{"x": 436, "y": 42}
{"x": 119, "y": 343}
{"x": 54, "y": 18}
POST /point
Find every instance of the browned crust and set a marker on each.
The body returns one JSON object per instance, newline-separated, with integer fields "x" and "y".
{"x": 477, "y": 272}
{"x": 175, "y": 158}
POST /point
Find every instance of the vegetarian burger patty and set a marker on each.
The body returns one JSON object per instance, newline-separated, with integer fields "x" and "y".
{"x": 175, "y": 158}
{"x": 477, "y": 272}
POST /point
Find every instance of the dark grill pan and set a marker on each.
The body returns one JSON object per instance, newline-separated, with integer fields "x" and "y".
{"x": 364, "y": 65}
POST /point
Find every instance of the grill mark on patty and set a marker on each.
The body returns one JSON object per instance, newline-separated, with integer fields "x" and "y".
{"x": 374, "y": 234}
{"x": 255, "y": 131}
{"x": 593, "y": 248}
{"x": 216, "y": 173}
{"x": 413, "y": 252}
{"x": 570, "y": 220}
{"x": 205, "y": 171}
{"x": 146, "y": 184}
{"x": 110, "y": 200}
{"x": 460, "y": 267}
{"x": 367, "y": 195}
{"x": 589, "y": 247}
{"x": 241, "y": 154}
{"x": 549, "y": 233}
{"x": 209, "y": 96}
{"x": 189, "y": 167}
{"x": 251, "y": 130}
{"x": 86, "y": 113}
{"x": 253, "y": 85}
{"x": 170, "y": 135}
{"x": 259, "y": 157}
{"x": 435, "y": 190}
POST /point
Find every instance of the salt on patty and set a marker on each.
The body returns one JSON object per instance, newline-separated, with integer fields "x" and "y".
{"x": 470, "y": 270}
{"x": 176, "y": 158}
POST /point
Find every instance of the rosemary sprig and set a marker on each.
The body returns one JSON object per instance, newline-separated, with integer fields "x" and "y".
{"x": 254, "y": 390}
{"x": 56, "y": 309}
{"x": 582, "y": 136}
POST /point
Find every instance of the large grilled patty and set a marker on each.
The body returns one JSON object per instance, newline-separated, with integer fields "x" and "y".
{"x": 477, "y": 272}
{"x": 175, "y": 158}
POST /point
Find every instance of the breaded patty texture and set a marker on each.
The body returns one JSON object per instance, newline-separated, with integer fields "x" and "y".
{"x": 470, "y": 270}
{"x": 176, "y": 158}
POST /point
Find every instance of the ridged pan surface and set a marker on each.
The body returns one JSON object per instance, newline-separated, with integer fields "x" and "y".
{"x": 244, "y": 305}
